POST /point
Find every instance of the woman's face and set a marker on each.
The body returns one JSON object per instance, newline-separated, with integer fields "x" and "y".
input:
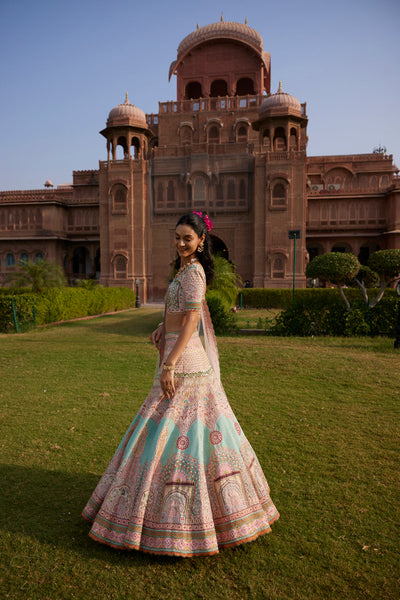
{"x": 186, "y": 242}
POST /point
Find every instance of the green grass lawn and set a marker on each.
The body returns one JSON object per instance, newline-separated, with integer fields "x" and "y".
{"x": 256, "y": 318}
{"x": 321, "y": 414}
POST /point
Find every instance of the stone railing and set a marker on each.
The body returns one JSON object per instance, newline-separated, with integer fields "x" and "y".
{"x": 226, "y": 103}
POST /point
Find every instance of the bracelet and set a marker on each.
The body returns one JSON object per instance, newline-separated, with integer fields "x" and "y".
{"x": 168, "y": 367}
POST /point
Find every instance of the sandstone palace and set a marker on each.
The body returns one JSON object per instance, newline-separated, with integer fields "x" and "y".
{"x": 226, "y": 146}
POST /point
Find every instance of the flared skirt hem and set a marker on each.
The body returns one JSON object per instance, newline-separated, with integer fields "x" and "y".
{"x": 176, "y": 553}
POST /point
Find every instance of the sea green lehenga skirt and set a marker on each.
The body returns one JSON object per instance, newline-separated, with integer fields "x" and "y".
{"x": 184, "y": 480}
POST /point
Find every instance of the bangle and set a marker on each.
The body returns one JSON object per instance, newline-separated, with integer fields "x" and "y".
{"x": 168, "y": 367}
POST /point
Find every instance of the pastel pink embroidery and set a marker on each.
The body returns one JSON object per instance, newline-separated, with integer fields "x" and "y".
{"x": 182, "y": 442}
{"x": 215, "y": 437}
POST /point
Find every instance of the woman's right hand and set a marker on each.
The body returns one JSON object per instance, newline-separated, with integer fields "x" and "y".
{"x": 156, "y": 336}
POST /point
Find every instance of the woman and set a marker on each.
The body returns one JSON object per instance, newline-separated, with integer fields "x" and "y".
{"x": 184, "y": 481}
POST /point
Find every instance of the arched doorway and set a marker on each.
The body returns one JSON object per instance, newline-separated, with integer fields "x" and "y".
{"x": 81, "y": 263}
{"x": 218, "y": 247}
{"x": 365, "y": 252}
{"x": 97, "y": 264}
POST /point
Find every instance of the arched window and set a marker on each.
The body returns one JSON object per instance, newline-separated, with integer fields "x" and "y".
{"x": 219, "y": 87}
{"x": 120, "y": 198}
{"x": 186, "y": 135}
{"x": 245, "y": 86}
{"x": 242, "y": 133}
{"x": 120, "y": 267}
{"x": 171, "y": 192}
{"x": 10, "y": 260}
{"x": 231, "y": 189}
{"x": 121, "y": 143}
{"x": 193, "y": 91}
{"x": 23, "y": 258}
{"x": 135, "y": 144}
{"x": 266, "y": 140}
{"x": 219, "y": 191}
{"x": 242, "y": 190}
{"x": 293, "y": 139}
{"x": 160, "y": 194}
{"x": 278, "y": 267}
{"x": 213, "y": 135}
{"x": 199, "y": 192}
{"x": 280, "y": 139}
{"x": 38, "y": 257}
{"x": 279, "y": 194}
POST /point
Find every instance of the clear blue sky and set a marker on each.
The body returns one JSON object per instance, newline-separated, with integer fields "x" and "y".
{"x": 65, "y": 64}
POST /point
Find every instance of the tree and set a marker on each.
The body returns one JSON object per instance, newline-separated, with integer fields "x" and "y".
{"x": 37, "y": 276}
{"x": 343, "y": 269}
{"x": 226, "y": 281}
{"x": 386, "y": 263}
{"x": 337, "y": 267}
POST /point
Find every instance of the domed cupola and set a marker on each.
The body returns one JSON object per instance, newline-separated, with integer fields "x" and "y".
{"x": 126, "y": 114}
{"x": 126, "y": 128}
{"x": 280, "y": 103}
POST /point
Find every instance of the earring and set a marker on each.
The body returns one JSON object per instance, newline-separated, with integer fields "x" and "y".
{"x": 200, "y": 247}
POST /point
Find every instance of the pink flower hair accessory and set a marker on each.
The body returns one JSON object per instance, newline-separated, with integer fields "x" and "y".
{"x": 206, "y": 219}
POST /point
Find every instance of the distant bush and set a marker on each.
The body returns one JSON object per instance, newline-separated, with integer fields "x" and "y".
{"x": 220, "y": 313}
{"x": 62, "y": 304}
{"x": 325, "y": 314}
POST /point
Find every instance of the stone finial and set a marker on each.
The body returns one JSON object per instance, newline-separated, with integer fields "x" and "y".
{"x": 222, "y": 17}
{"x": 126, "y": 98}
{"x": 245, "y": 21}
{"x": 280, "y": 88}
{"x": 198, "y": 27}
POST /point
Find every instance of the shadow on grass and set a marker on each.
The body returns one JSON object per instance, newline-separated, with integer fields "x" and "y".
{"x": 141, "y": 321}
{"x": 46, "y": 506}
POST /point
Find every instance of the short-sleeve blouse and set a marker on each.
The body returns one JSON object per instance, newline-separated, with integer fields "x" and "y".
{"x": 186, "y": 291}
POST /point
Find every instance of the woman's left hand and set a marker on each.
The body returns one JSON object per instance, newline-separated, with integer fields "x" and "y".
{"x": 155, "y": 337}
{"x": 167, "y": 384}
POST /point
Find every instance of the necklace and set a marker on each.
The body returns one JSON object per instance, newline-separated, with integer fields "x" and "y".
{"x": 184, "y": 267}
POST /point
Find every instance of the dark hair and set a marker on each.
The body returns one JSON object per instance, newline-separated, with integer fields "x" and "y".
{"x": 205, "y": 258}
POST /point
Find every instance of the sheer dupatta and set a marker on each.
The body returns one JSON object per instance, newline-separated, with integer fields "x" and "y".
{"x": 210, "y": 343}
{"x": 206, "y": 332}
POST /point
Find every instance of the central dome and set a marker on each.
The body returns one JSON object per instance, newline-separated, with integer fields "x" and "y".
{"x": 222, "y": 29}
{"x": 126, "y": 114}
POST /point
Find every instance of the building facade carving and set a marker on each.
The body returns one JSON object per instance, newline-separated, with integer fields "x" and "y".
{"x": 226, "y": 146}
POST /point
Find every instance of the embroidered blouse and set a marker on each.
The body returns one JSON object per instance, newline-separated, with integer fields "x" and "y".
{"x": 186, "y": 291}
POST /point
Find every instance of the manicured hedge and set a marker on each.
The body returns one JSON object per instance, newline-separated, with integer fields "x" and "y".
{"x": 275, "y": 298}
{"x": 264, "y": 298}
{"x": 326, "y": 314}
{"x": 62, "y": 304}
